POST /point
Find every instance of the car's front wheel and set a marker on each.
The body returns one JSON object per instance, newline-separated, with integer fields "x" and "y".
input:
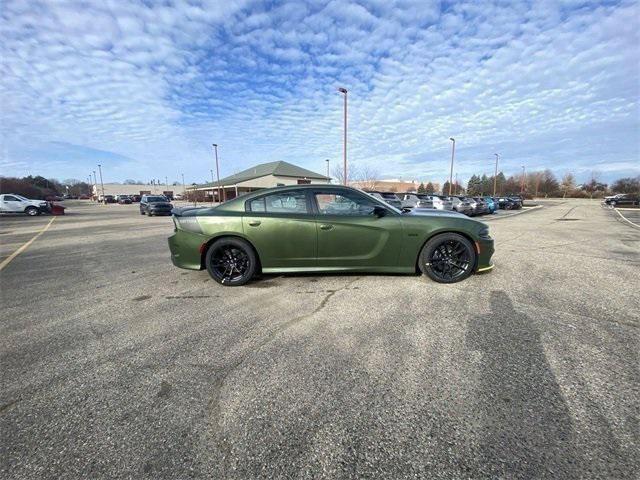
{"x": 32, "y": 211}
{"x": 231, "y": 261}
{"x": 447, "y": 258}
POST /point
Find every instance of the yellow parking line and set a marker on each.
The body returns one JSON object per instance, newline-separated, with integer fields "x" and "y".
{"x": 7, "y": 260}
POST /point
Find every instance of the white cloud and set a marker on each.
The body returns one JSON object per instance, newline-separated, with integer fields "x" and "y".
{"x": 159, "y": 83}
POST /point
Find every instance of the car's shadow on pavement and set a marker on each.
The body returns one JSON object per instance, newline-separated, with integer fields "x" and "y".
{"x": 526, "y": 429}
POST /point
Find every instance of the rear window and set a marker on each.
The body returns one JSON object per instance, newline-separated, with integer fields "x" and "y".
{"x": 286, "y": 202}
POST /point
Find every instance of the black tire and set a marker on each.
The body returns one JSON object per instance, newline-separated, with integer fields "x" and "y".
{"x": 32, "y": 211}
{"x": 149, "y": 213}
{"x": 141, "y": 212}
{"x": 231, "y": 254}
{"x": 447, "y": 258}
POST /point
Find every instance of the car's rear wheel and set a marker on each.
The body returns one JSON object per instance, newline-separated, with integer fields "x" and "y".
{"x": 32, "y": 211}
{"x": 447, "y": 258}
{"x": 231, "y": 261}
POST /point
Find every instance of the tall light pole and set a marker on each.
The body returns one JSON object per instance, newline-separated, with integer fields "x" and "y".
{"x": 522, "y": 184}
{"x": 212, "y": 182}
{"x": 456, "y": 188}
{"x": 95, "y": 184}
{"x": 328, "y": 176}
{"x": 101, "y": 183}
{"x": 453, "y": 152}
{"x": 184, "y": 187}
{"x": 215, "y": 147}
{"x": 344, "y": 91}
{"x": 495, "y": 175}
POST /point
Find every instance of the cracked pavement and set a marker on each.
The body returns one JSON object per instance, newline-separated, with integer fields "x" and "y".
{"x": 115, "y": 364}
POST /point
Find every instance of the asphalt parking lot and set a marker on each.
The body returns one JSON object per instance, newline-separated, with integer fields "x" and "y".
{"x": 118, "y": 365}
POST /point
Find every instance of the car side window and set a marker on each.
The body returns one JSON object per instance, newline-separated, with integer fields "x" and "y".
{"x": 285, "y": 202}
{"x": 9, "y": 198}
{"x": 343, "y": 204}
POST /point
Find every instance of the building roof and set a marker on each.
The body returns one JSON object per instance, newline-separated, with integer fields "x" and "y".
{"x": 279, "y": 169}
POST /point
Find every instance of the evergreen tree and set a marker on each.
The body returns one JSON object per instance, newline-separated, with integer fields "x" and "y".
{"x": 421, "y": 188}
{"x": 429, "y": 188}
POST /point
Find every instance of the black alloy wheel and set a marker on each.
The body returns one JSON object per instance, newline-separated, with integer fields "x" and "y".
{"x": 448, "y": 258}
{"x": 231, "y": 261}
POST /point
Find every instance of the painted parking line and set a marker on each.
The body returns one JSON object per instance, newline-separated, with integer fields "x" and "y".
{"x": 617, "y": 210}
{"x": 8, "y": 260}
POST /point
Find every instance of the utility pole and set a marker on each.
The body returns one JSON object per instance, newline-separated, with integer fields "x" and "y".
{"x": 328, "y": 176}
{"x": 184, "y": 188}
{"x": 95, "y": 184}
{"x": 101, "y": 183}
{"x": 522, "y": 185}
{"x": 456, "y": 187}
{"x": 345, "y": 92}
{"x": 453, "y": 152}
{"x": 215, "y": 147}
{"x": 495, "y": 175}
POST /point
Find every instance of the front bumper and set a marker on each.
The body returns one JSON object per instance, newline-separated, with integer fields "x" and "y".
{"x": 485, "y": 250}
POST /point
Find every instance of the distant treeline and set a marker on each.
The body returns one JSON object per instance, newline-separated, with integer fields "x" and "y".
{"x": 538, "y": 184}
{"x": 39, "y": 187}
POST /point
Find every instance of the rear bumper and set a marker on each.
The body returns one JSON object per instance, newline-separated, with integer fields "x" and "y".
{"x": 185, "y": 249}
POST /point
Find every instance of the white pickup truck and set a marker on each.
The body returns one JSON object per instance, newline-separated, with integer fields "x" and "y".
{"x": 13, "y": 203}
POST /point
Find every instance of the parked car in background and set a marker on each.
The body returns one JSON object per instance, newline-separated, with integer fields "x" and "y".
{"x": 178, "y": 196}
{"x": 14, "y": 203}
{"x": 492, "y": 205}
{"x": 389, "y": 197}
{"x": 328, "y": 228}
{"x": 155, "y": 205}
{"x": 517, "y": 202}
{"x": 480, "y": 206}
{"x": 415, "y": 200}
{"x": 123, "y": 199}
{"x": 106, "y": 199}
{"x": 506, "y": 203}
{"x": 462, "y": 204}
{"x": 54, "y": 198}
{"x": 624, "y": 200}
{"x": 84, "y": 196}
{"x": 135, "y": 198}
{"x": 440, "y": 202}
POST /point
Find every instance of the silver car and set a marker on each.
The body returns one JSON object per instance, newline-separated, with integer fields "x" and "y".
{"x": 463, "y": 204}
{"x": 440, "y": 202}
{"x": 388, "y": 197}
{"x": 415, "y": 200}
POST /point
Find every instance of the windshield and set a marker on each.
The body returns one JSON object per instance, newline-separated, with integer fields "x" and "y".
{"x": 156, "y": 199}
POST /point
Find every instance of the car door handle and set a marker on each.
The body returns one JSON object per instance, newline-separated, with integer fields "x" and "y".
{"x": 326, "y": 226}
{"x": 254, "y": 223}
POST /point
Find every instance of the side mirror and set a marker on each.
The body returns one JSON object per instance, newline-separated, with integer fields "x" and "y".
{"x": 379, "y": 211}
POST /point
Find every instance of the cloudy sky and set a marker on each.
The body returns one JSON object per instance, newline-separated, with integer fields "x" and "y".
{"x": 145, "y": 87}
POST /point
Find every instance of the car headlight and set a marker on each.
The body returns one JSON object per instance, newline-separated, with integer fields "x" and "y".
{"x": 188, "y": 224}
{"x": 484, "y": 233}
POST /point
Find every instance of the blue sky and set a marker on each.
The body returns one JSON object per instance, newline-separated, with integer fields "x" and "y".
{"x": 145, "y": 87}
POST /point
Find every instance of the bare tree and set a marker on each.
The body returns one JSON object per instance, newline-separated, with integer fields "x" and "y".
{"x": 366, "y": 176}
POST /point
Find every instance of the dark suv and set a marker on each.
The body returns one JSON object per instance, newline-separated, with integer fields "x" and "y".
{"x": 155, "y": 205}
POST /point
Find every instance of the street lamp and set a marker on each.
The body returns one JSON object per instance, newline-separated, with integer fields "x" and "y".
{"x": 212, "y": 182}
{"x": 522, "y": 185}
{"x": 495, "y": 175}
{"x": 453, "y": 152}
{"x": 215, "y": 147}
{"x": 95, "y": 184}
{"x": 184, "y": 188}
{"x": 328, "y": 176}
{"x": 344, "y": 91}
{"x": 101, "y": 182}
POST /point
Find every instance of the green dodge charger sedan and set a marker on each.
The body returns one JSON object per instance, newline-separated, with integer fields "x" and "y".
{"x": 325, "y": 228}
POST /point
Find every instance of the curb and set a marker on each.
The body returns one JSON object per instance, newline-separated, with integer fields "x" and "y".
{"x": 520, "y": 212}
